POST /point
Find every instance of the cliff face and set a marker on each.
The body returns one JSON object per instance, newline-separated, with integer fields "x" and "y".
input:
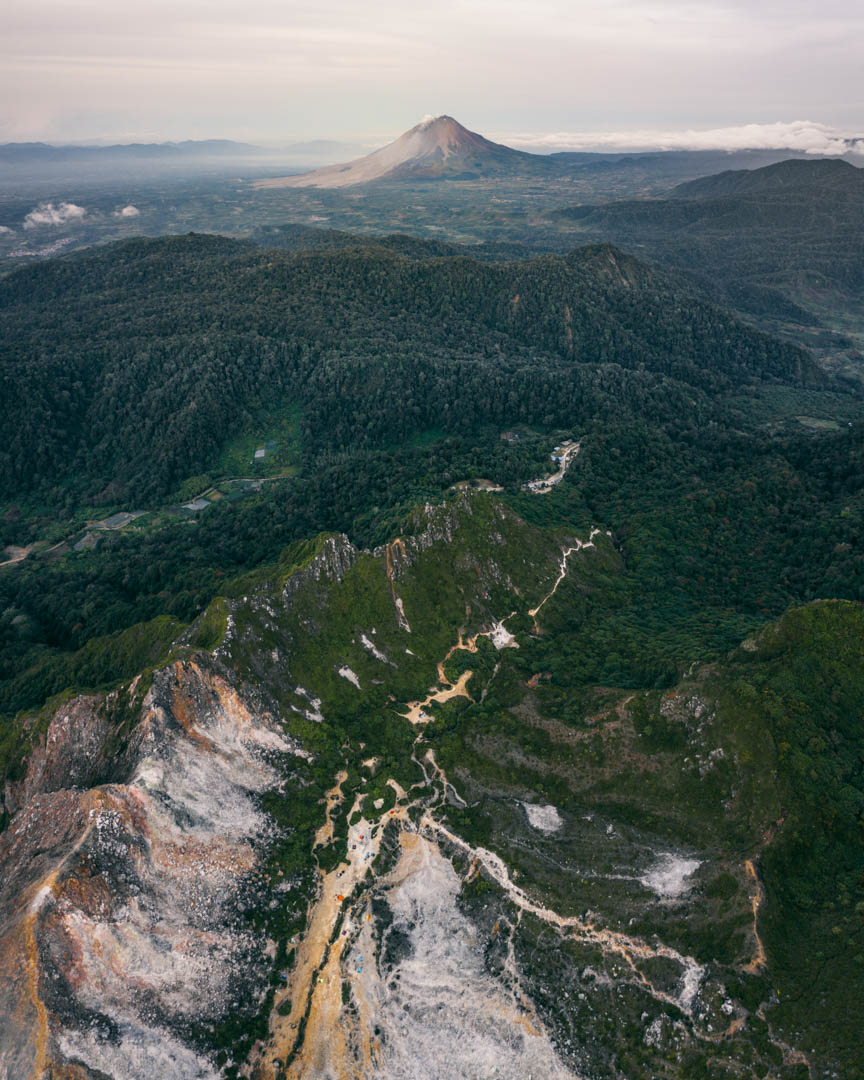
{"x": 77, "y": 751}
{"x": 136, "y": 856}
{"x": 122, "y": 904}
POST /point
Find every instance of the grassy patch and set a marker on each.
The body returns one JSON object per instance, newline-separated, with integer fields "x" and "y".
{"x": 276, "y": 431}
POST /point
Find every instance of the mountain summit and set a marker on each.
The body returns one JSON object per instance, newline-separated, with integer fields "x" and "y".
{"x": 437, "y": 147}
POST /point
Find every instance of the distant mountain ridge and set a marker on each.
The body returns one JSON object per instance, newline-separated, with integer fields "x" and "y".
{"x": 38, "y": 152}
{"x": 777, "y": 178}
{"x": 782, "y": 242}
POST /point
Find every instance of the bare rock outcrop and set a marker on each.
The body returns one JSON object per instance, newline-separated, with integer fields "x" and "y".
{"x": 121, "y": 904}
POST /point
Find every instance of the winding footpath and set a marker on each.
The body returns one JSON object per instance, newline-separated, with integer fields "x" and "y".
{"x": 580, "y": 545}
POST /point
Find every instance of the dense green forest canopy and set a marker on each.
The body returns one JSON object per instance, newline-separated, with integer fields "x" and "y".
{"x": 784, "y": 243}
{"x": 124, "y": 370}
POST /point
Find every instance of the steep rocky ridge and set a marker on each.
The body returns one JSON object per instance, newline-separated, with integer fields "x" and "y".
{"x": 79, "y": 749}
{"x": 124, "y": 902}
{"x": 263, "y": 854}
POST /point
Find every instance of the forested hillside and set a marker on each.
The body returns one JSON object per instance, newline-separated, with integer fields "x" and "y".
{"x": 124, "y": 370}
{"x": 403, "y": 374}
{"x": 783, "y": 243}
{"x": 794, "y": 174}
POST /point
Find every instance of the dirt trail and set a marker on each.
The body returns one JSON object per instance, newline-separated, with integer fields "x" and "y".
{"x": 16, "y": 554}
{"x": 416, "y": 713}
{"x": 630, "y": 950}
{"x": 760, "y": 960}
{"x": 446, "y": 689}
{"x": 562, "y": 573}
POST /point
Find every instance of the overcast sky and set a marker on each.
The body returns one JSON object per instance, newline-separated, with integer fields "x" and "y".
{"x": 515, "y": 69}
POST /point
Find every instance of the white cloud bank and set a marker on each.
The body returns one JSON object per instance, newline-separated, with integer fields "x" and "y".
{"x": 5, "y": 229}
{"x": 47, "y": 213}
{"x": 127, "y": 212}
{"x": 802, "y": 135}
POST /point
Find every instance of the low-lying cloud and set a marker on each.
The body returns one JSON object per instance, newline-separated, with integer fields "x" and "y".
{"x": 802, "y": 135}
{"x": 47, "y": 213}
{"x": 129, "y": 211}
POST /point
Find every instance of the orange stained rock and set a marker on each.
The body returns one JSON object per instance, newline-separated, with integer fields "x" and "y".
{"x": 39, "y": 892}
{"x": 40, "y": 1059}
{"x": 760, "y": 960}
{"x": 328, "y": 1041}
{"x": 415, "y": 713}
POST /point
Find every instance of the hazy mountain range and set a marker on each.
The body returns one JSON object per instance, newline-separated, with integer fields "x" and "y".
{"x": 437, "y": 148}
{"x": 440, "y": 147}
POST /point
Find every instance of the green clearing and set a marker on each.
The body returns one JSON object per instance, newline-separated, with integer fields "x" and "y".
{"x": 276, "y": 425}
{"x": 426, "y": 437}
{"x": 817, "y": 423}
